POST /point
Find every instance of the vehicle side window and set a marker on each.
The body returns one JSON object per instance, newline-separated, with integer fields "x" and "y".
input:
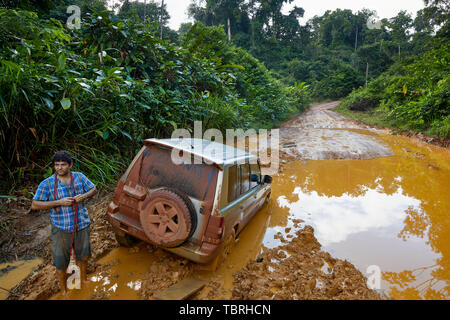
{"x": 255, "y": 170}
{"x": 233, "y": 183}
{"x": 245, "y": 177}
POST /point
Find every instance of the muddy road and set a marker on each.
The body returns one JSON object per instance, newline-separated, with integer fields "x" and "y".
{"x": 349, "y": 202}
{"x": 319, "y": 135}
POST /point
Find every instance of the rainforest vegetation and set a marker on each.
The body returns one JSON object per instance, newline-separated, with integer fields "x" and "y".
{"x": 124, "y": 75}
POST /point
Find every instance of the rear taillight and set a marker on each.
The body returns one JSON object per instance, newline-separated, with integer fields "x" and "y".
{"x": 215, "y": 229}
{"x": 220, "y": 230}
{"x": 112, "y": 208}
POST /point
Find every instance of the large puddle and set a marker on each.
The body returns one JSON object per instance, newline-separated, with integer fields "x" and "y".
{"x": 11, "y": 273}
{"x": 389, "y": 212}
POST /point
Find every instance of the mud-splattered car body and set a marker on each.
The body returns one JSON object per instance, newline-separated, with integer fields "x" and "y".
{"x": 194, "y": 209}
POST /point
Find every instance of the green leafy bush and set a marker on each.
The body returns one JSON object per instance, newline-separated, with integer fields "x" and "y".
{"x": 421, "y": 95}
{"x": 299, "y": 95}
{"x": 411, "y": 95}
{"x": 101, "y": 90}
{"x": 262, "y": 99}
{"x": 368, "y": 97}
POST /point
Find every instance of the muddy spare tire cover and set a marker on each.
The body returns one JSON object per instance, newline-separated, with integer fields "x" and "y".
{"x": 166, "y": 218}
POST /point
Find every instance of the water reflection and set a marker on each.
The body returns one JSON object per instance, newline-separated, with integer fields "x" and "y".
{"x": 391, "y": 212}
{"x": 135, "y": 285}
{"x": 335, "y": 218}
{"x": 11, "y": 273}
{"x": 119, "y": 276}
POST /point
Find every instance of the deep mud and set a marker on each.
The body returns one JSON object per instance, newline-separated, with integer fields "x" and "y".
{"x": 300, "y": 270}
{"x": 417, "y": 136}
{"x": 297, "y": 269}
{"x": 422, "y": 137}
{"x": 25, "y": 242}
{"x": 317, "y": 135}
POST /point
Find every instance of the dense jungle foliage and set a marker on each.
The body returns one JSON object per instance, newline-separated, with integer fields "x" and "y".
{"x": 125, "y": 75}
{"x": 331, "y": 52}
{"x": 100, "y": 90}
{"x": 404, "y": 61}
{"x": 341, "y": 51}
{"x": 413, "y": 96}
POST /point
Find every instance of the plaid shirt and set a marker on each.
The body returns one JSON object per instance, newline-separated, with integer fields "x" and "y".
{"x": 63, "y": 218}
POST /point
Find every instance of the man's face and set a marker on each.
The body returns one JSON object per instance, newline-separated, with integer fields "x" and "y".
{"x": 62, "y": 168}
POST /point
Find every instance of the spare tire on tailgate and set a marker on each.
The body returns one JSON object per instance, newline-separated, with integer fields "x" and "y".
{"x": 168, "y": 217}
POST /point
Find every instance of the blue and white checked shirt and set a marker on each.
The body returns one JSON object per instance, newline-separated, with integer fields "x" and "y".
{"x": 63, "y": 218}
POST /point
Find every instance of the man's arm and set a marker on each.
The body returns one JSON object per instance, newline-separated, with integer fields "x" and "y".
{"x": 87, "y": 195}
{"x": 44, "y": 205}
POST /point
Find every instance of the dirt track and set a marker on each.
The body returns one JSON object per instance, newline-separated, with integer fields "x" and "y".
{"x": 318, "y": 135}
{"x": 296, "y": 270}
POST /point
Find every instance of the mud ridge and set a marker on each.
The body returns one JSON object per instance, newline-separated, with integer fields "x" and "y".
{"x": 299, "y": 270}
{"x": 296, "y": 270}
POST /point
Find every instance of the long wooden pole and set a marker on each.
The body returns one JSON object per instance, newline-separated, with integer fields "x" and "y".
{"x": 367, "y": 73}
{"x": 161, "y": 18}
{"x": 229, "y": 30}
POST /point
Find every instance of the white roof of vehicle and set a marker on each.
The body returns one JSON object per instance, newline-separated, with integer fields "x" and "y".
{"x": 218, "y": 153}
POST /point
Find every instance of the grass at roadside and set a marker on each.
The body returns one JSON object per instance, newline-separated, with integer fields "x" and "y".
{"x": 378, "y": 118}
{"x": 371, "y": 117}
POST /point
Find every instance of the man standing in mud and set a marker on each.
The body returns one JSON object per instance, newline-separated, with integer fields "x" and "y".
{"x": 64, "y": 194}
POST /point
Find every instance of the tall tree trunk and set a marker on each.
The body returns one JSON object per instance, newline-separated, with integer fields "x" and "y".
{"x": 367, "y": 73}
{"x": 229, "y": 30}
{"x": 161, "y": 18}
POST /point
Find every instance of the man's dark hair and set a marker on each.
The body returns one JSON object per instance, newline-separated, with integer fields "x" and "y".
{"x": 62, "y": 155}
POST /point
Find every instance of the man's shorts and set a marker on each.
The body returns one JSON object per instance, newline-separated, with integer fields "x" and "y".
{"x": 62, "y": 245}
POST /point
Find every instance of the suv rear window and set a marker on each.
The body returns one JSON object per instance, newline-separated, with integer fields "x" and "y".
{"x": 238, "y": 181}
{"x": 158, "y": 170}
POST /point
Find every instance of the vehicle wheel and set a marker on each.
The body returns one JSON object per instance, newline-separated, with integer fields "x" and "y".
{"x": 124, "y": 239}
{"x": 168, "y": 218}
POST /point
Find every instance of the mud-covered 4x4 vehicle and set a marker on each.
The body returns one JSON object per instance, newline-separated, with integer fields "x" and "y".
{"x": 194, "y": 209}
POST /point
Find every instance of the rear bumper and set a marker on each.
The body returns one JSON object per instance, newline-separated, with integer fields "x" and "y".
{"x": 200, "y": 254}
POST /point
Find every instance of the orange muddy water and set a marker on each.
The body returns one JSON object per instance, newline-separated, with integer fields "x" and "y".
{"x": 391, "y": 212}
{"x": 11, "y": 273}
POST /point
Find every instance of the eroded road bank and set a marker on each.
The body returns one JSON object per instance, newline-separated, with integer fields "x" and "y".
{"x": 344, "y": 192}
